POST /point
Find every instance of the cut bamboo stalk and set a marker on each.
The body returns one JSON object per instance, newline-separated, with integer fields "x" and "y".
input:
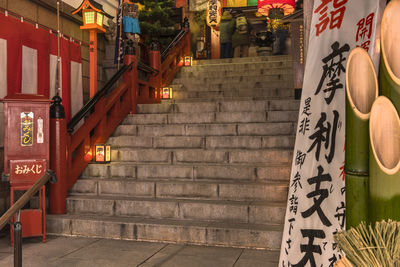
{"x": 384, "y": 161}
{"x": 389, "y": 76}
{"x": 357, "y": 192}
{"x": 361, "y": 91}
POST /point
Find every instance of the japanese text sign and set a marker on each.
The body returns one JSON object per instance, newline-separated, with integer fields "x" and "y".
{"x": 316, "y": 200}
{"x": 26, "y": 171}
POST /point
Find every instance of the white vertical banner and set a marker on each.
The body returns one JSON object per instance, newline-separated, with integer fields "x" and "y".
{"x": 53, "y": 76}
{"x": 3, "y": 84}
{"x": 316, "y": 200}
{"x": 29, "y": 81}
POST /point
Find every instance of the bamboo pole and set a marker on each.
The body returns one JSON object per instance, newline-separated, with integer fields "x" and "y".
{"x": 384, "y": 161}
{"x": 390, "y": 56}
{"x": 361, "y": 91}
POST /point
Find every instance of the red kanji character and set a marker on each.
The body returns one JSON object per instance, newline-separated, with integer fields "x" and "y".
{"x": 337, "y": 18}
{"x": 368, "y": 22}
{"x": 322, "y": 7}
{"x": 337, "y": 3}
{"x": 365, "y": 45}
{"x": 324, "y": 21}
{"x": 360, "y": 25}
{"x": 363, "y": 28}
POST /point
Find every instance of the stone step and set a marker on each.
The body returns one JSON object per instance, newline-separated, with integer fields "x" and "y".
{"x": 216, "y": 72}
{"x": 231, "y": 86}
{"x": 242, "y": 60}
{"x": 161, "y": 189}
{"x": 179, "y": 209}
{"x": 270, "y": 93}
{"x": 173, "y": 231}
{"x": 214, "y": 156}
{"x": 219, "y": 106}
{"x": 241, "y": 79}
{"x": 206, "y": 142}
{"x": 212, "y": 117}
{"x": 240, "y": 67}
{"x": 190, "y": 172}
{"x": 210, "y": 129}
{"x": 227, "y": 98}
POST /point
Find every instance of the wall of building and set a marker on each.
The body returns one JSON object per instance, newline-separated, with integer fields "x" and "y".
{"x": 44, "y": 13}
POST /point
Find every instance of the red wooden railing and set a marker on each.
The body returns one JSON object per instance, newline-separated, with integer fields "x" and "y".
{"x": 71, "y": 150}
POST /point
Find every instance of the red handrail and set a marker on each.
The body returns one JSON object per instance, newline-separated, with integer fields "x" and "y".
{"x": 72, "y": 152}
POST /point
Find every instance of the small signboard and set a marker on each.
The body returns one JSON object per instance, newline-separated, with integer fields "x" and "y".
{"x": 26, "y": 171}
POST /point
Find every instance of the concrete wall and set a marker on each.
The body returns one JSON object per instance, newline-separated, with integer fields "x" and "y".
{"x": 44, "y": 12}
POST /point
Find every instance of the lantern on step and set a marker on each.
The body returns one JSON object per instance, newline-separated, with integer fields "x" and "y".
{"x": 188, "y": 61}
{"x": 102, "y": 153}
{"x": 166, "y": 93}
{"x": 276, "y": 8}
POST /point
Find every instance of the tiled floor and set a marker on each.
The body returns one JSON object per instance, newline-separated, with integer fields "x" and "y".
{"x": 63, "y": 251}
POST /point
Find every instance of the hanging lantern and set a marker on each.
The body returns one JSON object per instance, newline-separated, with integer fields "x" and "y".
{"x": 102, "y": 153}
{"x": 92, "y": 14}
{"x": 272, "y": 7}
{"x": 93, "y": 18}
{"x": 213, "y": 13}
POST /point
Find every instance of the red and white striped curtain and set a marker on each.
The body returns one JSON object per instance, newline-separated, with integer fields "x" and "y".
{"x": 28, "y": 63}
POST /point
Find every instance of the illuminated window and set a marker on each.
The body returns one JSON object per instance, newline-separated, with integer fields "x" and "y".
{"x": 99, "y": 19}
{"x": 89, "y": 17}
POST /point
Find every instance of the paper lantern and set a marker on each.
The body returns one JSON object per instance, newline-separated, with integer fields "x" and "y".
{"x": 287, "y": 6}
{"x": 93, "y": 17}
{"x": 213, "y": 13}
{"x": 102, "y": 153}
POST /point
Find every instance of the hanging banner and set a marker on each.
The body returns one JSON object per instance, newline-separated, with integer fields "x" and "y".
{"x": 213, "y": 13}
{"x": 316, "y": 200}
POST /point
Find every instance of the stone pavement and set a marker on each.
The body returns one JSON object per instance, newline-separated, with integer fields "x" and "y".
{"x": 70, "y": 251}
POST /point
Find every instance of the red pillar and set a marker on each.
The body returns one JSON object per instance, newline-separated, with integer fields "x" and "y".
{"x": 155, "y": 63}
{"x": 131, "y": 77}
{"x": 93, "y": 62}
{"x": 58, "y": 157}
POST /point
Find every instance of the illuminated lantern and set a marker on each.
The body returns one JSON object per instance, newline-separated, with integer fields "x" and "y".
{"x": 166, "y": 93}
{"x": 102, "y": 153}
{"x": 188, "y": 61}
{"x": 214, "y": 12}
{"x": 93, "y": 18}
{"x": 271, "y": 7}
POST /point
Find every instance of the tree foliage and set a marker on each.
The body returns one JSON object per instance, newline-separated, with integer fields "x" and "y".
{"x": 156, "y": 20}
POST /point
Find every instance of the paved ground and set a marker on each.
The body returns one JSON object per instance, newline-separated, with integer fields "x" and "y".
{"x": 63, "y": 251}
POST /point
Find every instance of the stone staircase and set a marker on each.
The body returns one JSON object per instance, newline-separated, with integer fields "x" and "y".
{"x": 210, "y": 167}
